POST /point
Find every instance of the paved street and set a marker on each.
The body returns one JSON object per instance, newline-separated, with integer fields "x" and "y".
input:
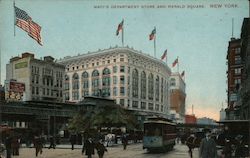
{"x": 133, "y": 151}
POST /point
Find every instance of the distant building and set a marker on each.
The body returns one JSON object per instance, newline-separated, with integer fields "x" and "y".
{"x": 133, "y": 79}
{"x": 222, "y": 114}
{"x": 238, "y": 75}
{"x": 42, "y": 79}
{"x": 2, "y": 94}
{"x": 206, "y": 121}
{"x": 190, "y": 119}
{"x": 234, "y": 77}
{"x": 245, "y": 55}
{"x": 177, "y": 95}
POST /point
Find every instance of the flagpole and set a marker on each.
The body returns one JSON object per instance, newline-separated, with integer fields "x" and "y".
{"x": 14, "y": 18}
{"x": 123, "y": 33}
{"x": 178, "y": 64}
{"x": 166, "y": 58}
{"x": 155, "y": 43}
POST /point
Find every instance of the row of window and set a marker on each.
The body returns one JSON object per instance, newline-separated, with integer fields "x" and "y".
{"x": 94, "y": 64}
{"x": 105, "y": 92}
{"x": 135, "y": 104}
{"x": 46, "y": 92}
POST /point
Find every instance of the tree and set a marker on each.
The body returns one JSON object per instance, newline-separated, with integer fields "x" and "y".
{"x": 102, "y": 116}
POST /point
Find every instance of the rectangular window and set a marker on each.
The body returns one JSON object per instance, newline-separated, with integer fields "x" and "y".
{"x": 237, "y": 71}
{"x": 122, "y": 69}
{"x": 122, "y": 102}
{"x": 122, "y": 80}
{"x": 237, "y": 81}
{"x": 122, "y": 91}
{"x": 237, "y": 60}
{"x": 114, "y": 91}
{"x": 150, "y": 106}
{"x": 37, "y": 90}
{"x": 135, "y": 104}
{"x": 33, "y": 90}
{"x": 114, "y": 79}
{"x": 121, "y": 59}
{"x": 157, "y": 107}
{"x": 143, "y": 105}
{"x": 114, "y": 69}
{"x": 237, "y": 50}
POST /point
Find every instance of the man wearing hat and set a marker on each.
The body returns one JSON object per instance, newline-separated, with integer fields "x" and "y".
{"x": 208, "y": 147}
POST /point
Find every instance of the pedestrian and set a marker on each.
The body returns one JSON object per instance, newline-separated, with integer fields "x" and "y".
{"x": 190, "y": 142}
{"x": 15, "y": 146}
{"x": 241, "y": 150}
{"x": 88, "y": 147}
{"x": 208, "y": 147}
{"x": 227, "y": 149}
{"x": 38, "y": 145}
{"x": 124, "y": 141}
{"x": 72, "y": 141}
{"x": 52, "y": 142}
{"x": 100, "y": 149}
{"x": 8, "y": 146}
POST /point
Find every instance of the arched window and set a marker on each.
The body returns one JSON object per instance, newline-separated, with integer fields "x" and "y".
{"x": 66, "y": 77}
{"x": 95, "y": 73}
{"x": 143, "y": 85}
{"x": 85, "y": 84}
{"x": 150, "y": 86}
{"x": 162, "y": 85}
{"x": 106, "y": 82}
{"x": 75, "y": 81}
{"x": 85, "y": 75}
{"x": 135, "y": 86}
{"x": 157, "y": 88}
{"x": 75, "y": 86}
{"x": 66, "y": 84}
{"x": 95, "y": 83}
{"x": 106, "y": 71}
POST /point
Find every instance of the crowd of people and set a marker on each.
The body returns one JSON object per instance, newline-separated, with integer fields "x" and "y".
{"x": 90, "y": 144}
{"x": 231, "y": 147}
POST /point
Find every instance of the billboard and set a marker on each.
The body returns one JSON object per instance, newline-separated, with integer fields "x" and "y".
{"x": 15, "y": 91}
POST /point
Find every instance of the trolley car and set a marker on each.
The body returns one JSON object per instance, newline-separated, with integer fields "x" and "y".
{"x": 159, "y": 134}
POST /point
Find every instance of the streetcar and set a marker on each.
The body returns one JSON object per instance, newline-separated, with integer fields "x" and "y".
{"x": 159, "y": 134}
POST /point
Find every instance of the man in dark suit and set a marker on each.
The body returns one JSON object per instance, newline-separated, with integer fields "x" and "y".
{"x": 208, "y": 147}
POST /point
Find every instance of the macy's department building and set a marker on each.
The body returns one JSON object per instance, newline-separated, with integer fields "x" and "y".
{"x": 133, "y": 79}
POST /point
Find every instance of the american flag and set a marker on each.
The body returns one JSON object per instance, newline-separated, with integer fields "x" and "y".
{"x": 25, "y": 22}
{"x": 152, "y": 35}
{"x": 175, "y": 62}
{"x": 119, "y": 28}
{"x": 164, "y": 55}
{"x": 183, "y": 73}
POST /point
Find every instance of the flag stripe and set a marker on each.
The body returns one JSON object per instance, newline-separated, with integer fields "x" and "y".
{"x": 23, "y": 24}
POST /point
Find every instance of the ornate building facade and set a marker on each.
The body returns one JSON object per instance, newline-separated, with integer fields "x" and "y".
{"x": 134, "y": 80}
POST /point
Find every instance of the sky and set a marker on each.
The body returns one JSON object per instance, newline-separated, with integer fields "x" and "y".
{"x": 197, "y": 31}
